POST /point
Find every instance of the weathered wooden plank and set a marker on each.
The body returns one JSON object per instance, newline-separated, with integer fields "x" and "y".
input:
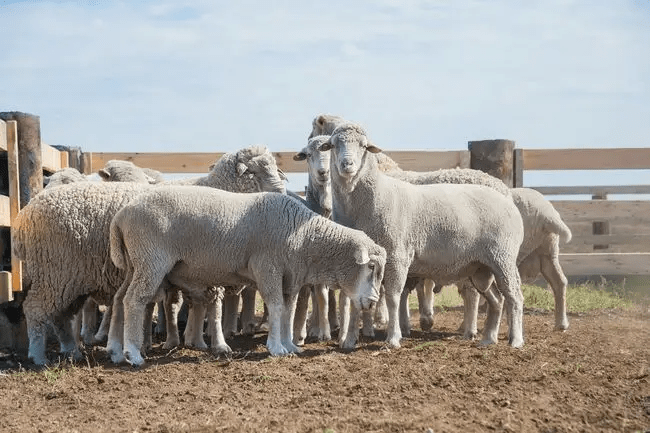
{"x": 5, "y": 211}
{"x": 52, "y": 158}
{"x": 3, "y": 136}
{"x": 593, "y": 190}
{"x": 612, "y": 239}
{"x": 199, "y": 162}
{"x": 586, "y": 159}
{"x": 637, "y": 211}
{"x": 606, "y": 264}
{"x": 13, "y": 167}
{"x": 6, "y": 294}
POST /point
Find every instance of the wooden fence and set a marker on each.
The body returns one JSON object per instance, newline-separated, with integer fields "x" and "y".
{"x": 609, "y": 237}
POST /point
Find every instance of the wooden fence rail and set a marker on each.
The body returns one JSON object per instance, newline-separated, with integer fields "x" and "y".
{"x": 609, "y": 237}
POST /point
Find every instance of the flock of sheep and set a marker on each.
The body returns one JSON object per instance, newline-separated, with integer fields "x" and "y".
{"x": 365, "y": 227}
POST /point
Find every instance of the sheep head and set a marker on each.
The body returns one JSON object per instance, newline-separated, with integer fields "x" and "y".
{"x": 349, "y": 144}
{"x": 258, "y": 164}
{"x": 318, "y": 161}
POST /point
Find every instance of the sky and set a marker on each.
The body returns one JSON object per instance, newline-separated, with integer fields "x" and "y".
{"x": 206, "y": 75}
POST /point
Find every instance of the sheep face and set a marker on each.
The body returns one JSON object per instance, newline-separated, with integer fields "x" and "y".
{"x": 318, "y": 162}
{"x": 117, "y": 170}
{"x": 363, "y": 280}
{"x": 349, "y": 144}
{"x": 63, "y": 177}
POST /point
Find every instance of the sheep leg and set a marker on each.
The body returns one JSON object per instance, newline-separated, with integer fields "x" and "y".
{"x": 194, "y": 338}
{"x": 248, "y": 322}
{"x": 264, "y": 322}
{"x": 76, "y": 328}
{"x": 344, "y": 314}
{"x": 217, "y": 340}
{"x": 352, "y": 335}
{"x": 471, "y": 299}
{"x": 230, "y": 313}
{"x": 424, "y": 290}
{"x": 288, "y": 313}
{"x": 104, "y": 325}
{"x": 482, "y": 280}
{"x": 210, "y": 314}
{"x": 404, "y": 313}
{"x": 160, "y": 322}
{"x": 332, "y": 312}
{"x": 315, "y": 316}
{"x": 300, "y": 319}
{"x": 381, "y": 311}
{"x": 88, "y": 321}
{"x": 393, "y": 290}
{"x": 141, "y": 291}
{"x": 368, "y": 327}
{"x": 68, "y": 343}
{"x": 509, "y": 284}
{"x": 271, "y": 292}
{"x": 552, "y": 272}
{"x": 114, "y": 344}
{"x": 147, "y": 326}
{"x": 322, "y": 294}
{"x": 172, "y": 303}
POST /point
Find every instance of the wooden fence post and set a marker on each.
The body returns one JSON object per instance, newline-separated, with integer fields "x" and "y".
{"x": 600, "y": 227}
{"x": 13, "y": 165}
{"x": 494, "y": 157}
{"x": 29, "y": 153}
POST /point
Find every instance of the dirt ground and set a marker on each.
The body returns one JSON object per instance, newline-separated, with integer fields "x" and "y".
{"x": 593, "y": 378}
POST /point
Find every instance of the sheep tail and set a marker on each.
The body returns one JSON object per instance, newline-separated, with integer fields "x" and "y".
{"x": 118, "y": 249}
{"x": 554, "y": 224}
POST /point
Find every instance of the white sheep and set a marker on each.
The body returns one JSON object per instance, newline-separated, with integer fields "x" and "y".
{"x": 172, "y": 233}
{"x": 443, "y": 232}
{"x": 62, "y": 237}
{"x": 539, "y": 253}
{"x": 63, "y": 177}
{"x": 117, "y": 170}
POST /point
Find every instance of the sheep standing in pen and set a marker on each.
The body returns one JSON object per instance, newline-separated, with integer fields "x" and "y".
{"x": 539, "y": 253}
{"x": 172, "y": 233}
{"x": 444, "y": 232}
{"x": 318, "y": 196}
{"x": 62, "y": 236}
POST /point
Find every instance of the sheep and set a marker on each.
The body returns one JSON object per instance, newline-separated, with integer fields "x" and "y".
{"x": 543, "y": 231}
{"x": 172, "y": 233}
{"x": 117, "y": 170}
{"x": 443, "y": 232}
{"x": 62, "y": 237}
{"x": 63, "y": 177}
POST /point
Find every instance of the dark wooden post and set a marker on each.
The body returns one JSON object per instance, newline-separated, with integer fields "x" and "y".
{"x": 29, "y": 153}
{"x": 493, "y": 157}
{"x": 600, "y": 227}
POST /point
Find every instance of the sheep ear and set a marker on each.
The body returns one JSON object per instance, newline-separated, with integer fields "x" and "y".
{"x": 46, "y": 180}
{"x": 241, "y": 168}
{"x": 372, "y": 148}
{"x": 104, "y": 174}
{"x": 300, "y": 156}
{"x": 324, "y": 147}
{"x": 361, "y": 256}
{"x": 282, "y": 175}
{"x": 320, "y": 120}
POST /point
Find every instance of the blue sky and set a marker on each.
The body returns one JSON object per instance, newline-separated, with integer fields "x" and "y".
{"x": 217, "y": 76}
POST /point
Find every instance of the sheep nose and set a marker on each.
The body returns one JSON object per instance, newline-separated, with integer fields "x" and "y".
{"x": 323, "y": 173}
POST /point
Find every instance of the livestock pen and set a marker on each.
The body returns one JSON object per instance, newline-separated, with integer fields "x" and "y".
{"x": 593, "y": 377}
{"x": 610, "y": 237}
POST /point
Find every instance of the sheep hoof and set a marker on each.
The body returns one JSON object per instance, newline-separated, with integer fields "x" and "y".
{"x": 487, "y": 342}
{"x": 292, "y": 348}
{"x": 223, "y": 349}
{"x": 134, "y": 358}
{"x": 562, "y": 327}
{"x": 516, "y": 342}
{"x": 426, "y": 323}
{"x": 393, "y": 343}
{"x": 249, "y": 329}
{"x": 277, "y": 349}
{"x": 299, "y": 341}
{"x": 199, "y": 345}
{"x": 470, "y": 335}
{"x": 325, "y": 337}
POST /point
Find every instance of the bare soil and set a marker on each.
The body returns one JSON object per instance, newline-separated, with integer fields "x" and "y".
{"x": 592, "y": 378}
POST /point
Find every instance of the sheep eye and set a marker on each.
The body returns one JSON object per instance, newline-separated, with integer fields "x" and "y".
{"x": 371, "y": 266}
